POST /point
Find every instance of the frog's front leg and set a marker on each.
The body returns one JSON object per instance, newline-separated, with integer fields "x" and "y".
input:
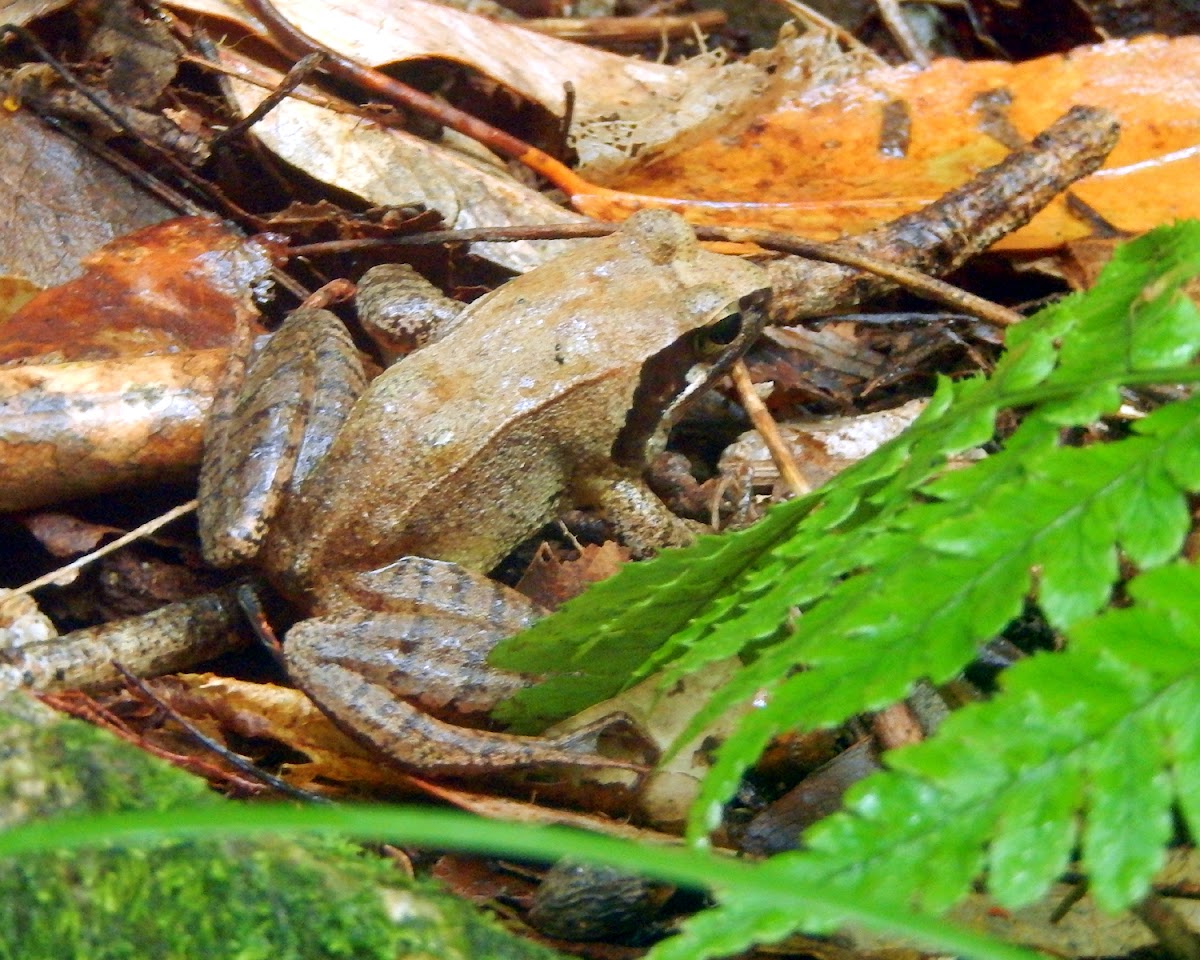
{"x": 643, "y": 521}
{"x": 413, "y": 637}
{"x": 401, "y": 311}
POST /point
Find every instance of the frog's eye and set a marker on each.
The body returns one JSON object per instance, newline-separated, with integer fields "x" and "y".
{"x": 719, "y": 334}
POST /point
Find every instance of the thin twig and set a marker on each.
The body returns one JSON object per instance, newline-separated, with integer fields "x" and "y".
{"x": 299, "y": 72}
{"x": 147, "y": 528}
{"x": 920, "y": 283}
{"x": 765, "y": 424}
{"x": 901, "y": 30}
{"x": 937, "y": 290}
{"x": 240, "y": 74}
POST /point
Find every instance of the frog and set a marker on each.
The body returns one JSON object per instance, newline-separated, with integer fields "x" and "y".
{"x": 379, "y": 508}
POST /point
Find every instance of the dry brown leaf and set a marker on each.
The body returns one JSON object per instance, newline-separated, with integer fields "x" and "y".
{"x": 550, "y": 582}
{"x": 480, "y": 880}
{"x": 1082, "y": 260}
{"x": 62, "y": 203}
{"x": 617, "y": 98}
{"x": 817, "y": 165}
{"x": 820, "y": 448}
{"x": 63, "y": 535}
{"x": 379, "y": 32}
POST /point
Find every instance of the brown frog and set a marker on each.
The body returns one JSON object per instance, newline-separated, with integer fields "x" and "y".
{"x": 380, "y": 514}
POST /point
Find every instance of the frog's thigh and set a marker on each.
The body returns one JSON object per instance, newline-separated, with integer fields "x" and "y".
{"x": 421, "y": 628}
{"x": 440, "y": 660}
{"x": 433, "y": 587}
{"x": 401, "y": 310}
{"x": 286, "y": 412}
{"x": 644, "y": 522}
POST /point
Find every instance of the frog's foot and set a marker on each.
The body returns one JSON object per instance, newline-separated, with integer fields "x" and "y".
{"x": 371, "y": 713}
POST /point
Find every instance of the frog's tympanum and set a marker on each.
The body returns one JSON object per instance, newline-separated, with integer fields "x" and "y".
{"x": 380, "y": 512}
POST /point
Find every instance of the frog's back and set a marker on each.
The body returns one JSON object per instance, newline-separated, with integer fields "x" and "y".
{"x": 468, "y": 446}
{"x": 457, "y": 453}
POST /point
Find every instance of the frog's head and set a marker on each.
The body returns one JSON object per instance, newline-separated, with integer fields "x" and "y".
{"x": 718, "y": 309}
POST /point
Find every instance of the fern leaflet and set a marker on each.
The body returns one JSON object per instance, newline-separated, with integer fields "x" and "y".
{"x": 1087, "y": 748}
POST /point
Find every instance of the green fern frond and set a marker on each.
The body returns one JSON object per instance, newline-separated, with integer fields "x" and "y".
{"x": 898, "y": 569}
{"x": 1086, "y": 749}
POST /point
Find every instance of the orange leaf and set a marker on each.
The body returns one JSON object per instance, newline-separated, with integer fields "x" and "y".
{"x": 178, "y": 284}
{"x": 815, "y": 166}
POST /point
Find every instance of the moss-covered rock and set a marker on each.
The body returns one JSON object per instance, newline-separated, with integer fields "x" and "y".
{"x": 238, "y": 899}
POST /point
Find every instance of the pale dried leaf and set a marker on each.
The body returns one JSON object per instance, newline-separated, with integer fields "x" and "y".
{"x": 624, "y": 108}
{"x": 284, "y": 714}
{"x": 388, "y": 167}
{"x": 378, "y": 32}
{"x": 820, "y": 448}
{"x": 668, "y": 792}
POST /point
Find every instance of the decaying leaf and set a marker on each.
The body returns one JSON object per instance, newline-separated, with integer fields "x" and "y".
{"x": 550, "y": 581}
{"x": 821, "y": 448}
{"x": 624, "y": 106}
{"x": 64, "y": 535}
{"x": 389, "y": 167}
{"x": 177, "y": 289}
{"x": 261, "y": 711}
{"x": 826, "y": 164}
{"x": 73, "y": 429}
{"x": 181, "y": 284}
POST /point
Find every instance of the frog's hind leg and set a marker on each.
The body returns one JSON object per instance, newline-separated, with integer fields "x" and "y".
{"x": 421, "y": 743}
{"x": 271, "y": 423}
{"x": 418, "y": 632}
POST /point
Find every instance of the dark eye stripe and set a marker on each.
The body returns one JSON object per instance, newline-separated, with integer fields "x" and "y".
{"x": 664, "y": 377}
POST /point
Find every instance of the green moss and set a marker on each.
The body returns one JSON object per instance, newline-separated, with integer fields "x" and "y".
{"x": 237, "y": 899}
